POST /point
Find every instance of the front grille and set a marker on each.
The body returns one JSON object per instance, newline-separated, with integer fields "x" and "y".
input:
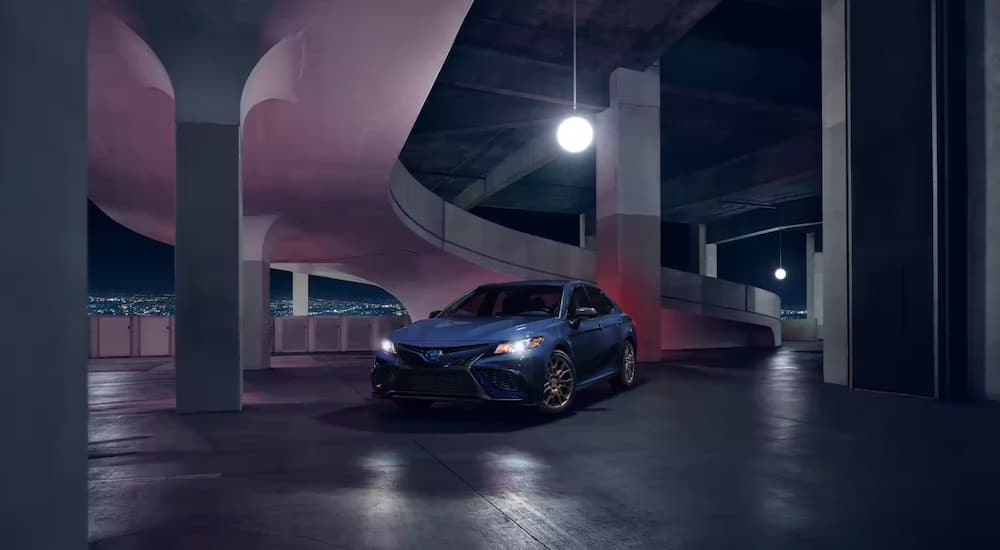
{"x": 460, "y": 356}
{"x": 502, "y": 379}
{"x": 435, "y": 382}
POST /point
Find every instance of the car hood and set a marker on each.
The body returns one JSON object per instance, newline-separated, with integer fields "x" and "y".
{"x": 466, "y": 331}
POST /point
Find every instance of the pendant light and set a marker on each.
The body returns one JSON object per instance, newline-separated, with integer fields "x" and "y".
{"x": 575, "y": 133}
{"x": 780, "y": 273}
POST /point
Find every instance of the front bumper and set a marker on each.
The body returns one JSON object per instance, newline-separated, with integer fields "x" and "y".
{"x": 480, "y": 377}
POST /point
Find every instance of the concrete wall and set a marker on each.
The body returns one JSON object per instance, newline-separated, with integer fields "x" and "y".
{"x": 799, "y": 330}
{"x": 152, "y": 336}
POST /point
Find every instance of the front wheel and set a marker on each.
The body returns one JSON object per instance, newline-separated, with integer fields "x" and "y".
{"x": 559, "y": 388}
{"x": 413, "y": 405}
{"x": 626, "y": 374}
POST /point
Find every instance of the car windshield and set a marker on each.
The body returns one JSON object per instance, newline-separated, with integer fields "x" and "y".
{"x": 508, "y": 301}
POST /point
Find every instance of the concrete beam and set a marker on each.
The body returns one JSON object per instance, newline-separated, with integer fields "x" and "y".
{"x": 507, "y": 75}
{"x": 675, "y": 20}
{"x": 534, "y": 155}
{"x": 782, "y": 162}
{"x": 480, "y": 128}
{"x": 795, "y": 214}
{"x": 328, "y": 271}
{"x": 748, "y": 103}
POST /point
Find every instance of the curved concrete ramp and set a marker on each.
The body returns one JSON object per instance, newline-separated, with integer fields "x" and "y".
{"x": 697, "y": 311}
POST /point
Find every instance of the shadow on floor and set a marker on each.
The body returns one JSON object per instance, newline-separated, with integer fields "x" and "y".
{"x": 378, "y": 415}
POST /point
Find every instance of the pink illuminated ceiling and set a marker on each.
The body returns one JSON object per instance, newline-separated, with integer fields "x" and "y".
{"x": 324, "y": 115}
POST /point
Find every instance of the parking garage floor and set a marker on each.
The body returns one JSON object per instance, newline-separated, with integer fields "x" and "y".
{"x": 712, "y": 450}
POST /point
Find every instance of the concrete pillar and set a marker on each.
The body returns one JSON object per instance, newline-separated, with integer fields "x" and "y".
{"x": 300, "y": 294}
{"x": 811, "y": 275}
{"x": 835, "y": 230}
{"x": 628, "y": 202}
{"x": 43, "y": 283}
{"x": 208, "y": 272}
{"x": 711, "y": 260}
{"x": 817, "y": 312}
{"x": 258, "y": 238}
{"x": 893, "y": 235}
{"x": 983, "y": 295}
{"x": 699, "y": 246}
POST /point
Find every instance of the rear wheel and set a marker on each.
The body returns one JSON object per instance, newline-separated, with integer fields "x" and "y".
{"x": 626, "y": 374}
{"x": 414, "y": 405}
{"x": 559, "y": 387}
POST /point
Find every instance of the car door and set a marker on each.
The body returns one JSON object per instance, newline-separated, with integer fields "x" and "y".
{"x": 584, "y": 335}
{"x": 609, "y": 337}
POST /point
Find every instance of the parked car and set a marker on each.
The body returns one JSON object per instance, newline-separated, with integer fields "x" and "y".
{"x": 531, "y": 342}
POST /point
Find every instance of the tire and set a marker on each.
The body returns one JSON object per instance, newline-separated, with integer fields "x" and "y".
{"x": 412, "y": 405}
{"x": 559, "y": 371}
{"x": 626, "y": 375}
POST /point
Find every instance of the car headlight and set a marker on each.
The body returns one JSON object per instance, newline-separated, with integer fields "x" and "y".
{"x": 388, "y": 347}
{"x": 519, "y": 346}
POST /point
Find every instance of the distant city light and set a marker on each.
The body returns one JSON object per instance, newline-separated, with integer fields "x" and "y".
{"x": 575, "y": 134}
{"x": 163, "y": 304}
{"x": 780, "y": 274}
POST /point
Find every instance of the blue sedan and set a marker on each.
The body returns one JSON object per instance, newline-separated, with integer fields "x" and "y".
{"x": 532, "y": 342}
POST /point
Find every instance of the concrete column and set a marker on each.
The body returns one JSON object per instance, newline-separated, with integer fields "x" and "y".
{"x": 818, "y": 288}
{"x": 300, "y": 294}
{"x": 43, "y": 283}
{"x": 258, "y": 237}
{"x": 835, "y": 234}
{"x": 890, "y": 267}
{"x": 699, "y": 246}
{"x": 983, "y": 294}
{"x": 811, "y": 275}
{"x": 208, "y": 272}
{"x": 711, "y": 260}
{"x": 628, "y": 202}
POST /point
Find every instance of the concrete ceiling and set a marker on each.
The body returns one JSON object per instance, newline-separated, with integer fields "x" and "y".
{"x": 738, "y": 76}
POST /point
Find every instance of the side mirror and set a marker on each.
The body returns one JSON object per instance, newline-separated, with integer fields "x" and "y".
{"x": 585, "y": 313}
{"x": 434, "y": 314}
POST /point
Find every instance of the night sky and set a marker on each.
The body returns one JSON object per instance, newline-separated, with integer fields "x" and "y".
{"x": 122, "y": 261}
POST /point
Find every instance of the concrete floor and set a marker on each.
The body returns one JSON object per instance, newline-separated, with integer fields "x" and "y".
{"x": 712, "y": 450}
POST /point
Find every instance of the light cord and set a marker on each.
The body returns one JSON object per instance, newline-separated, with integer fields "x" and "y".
{"x": 780, "y": 247}
{"x": 574, "y": 55}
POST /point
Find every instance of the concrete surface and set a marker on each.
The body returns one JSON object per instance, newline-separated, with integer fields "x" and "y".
{"x": 711, "y": 450}
{"x": 43, "y": 220}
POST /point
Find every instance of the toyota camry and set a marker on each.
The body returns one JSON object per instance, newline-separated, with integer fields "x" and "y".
{"x": 532, "y": 342}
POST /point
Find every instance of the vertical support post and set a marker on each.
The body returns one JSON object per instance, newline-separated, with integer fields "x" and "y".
{"x": 836, "y": 292}
{"x": 982, "y": 20}
{"x": 300, "y": 294}
{"x": 43, "y": 220}
{"x": 628, "y": 202}
{"x": 711, "y": 260}
{"x": 811, "y": 275}
{"x": 208, "y": 271}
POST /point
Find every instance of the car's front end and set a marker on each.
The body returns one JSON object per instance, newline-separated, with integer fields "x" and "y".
{"x": 495, "y": 370}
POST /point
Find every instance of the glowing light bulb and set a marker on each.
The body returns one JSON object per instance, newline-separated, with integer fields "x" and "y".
{"x": 780, "y": 274}
{"x": 575, "y": 134}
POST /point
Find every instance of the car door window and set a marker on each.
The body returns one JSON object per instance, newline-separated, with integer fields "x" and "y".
{"x": 599, "y": 300}
{"x": 578, "y": 299}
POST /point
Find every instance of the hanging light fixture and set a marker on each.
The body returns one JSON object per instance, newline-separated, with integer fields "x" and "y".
{"x": 575, "y": 133}
{"x": 780, "y": 273}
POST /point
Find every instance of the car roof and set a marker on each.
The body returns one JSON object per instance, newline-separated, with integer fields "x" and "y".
{"x": 540, "y": 282}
